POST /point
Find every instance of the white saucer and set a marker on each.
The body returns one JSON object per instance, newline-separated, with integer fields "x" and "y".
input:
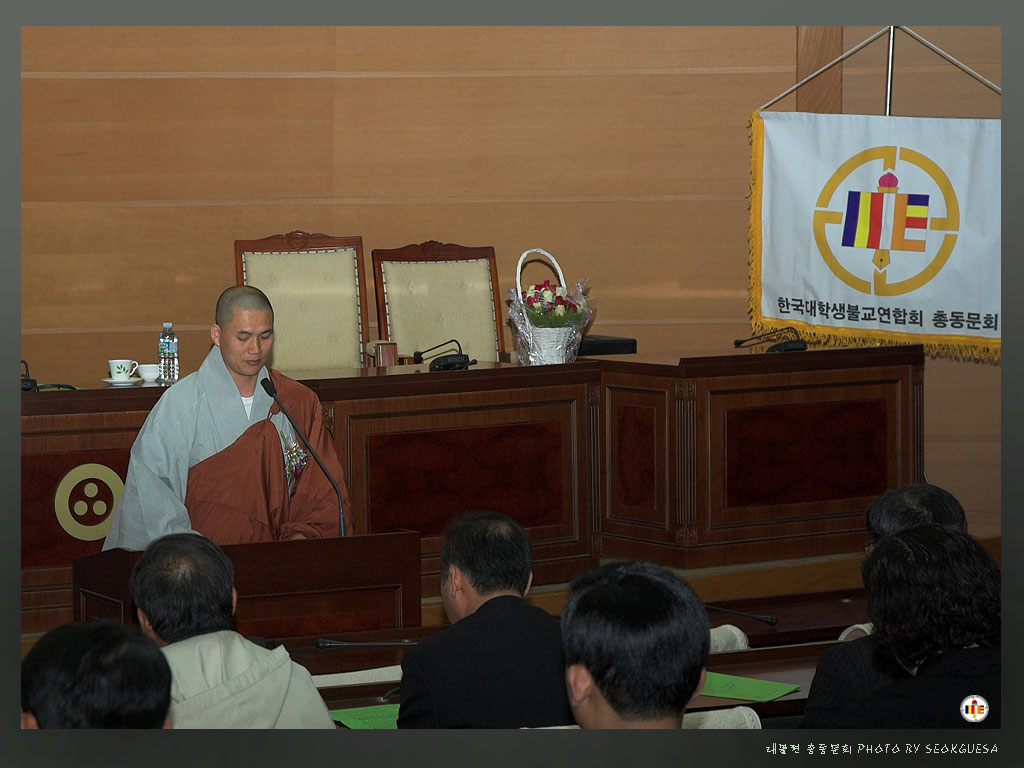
{"x": 123, "y": 382}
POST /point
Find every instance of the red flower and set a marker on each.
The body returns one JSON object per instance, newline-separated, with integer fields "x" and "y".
{"x": 547, "y": 284}
{"x": 529, "y": 301}
{"x": 559, "y": 300}
{"x": 572, "y": 307}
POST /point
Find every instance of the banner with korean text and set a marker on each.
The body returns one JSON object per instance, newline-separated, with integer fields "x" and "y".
{"x": 867, "y": 229}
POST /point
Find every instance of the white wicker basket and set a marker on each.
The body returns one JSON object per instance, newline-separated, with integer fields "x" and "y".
{"x": 547, "y": 345}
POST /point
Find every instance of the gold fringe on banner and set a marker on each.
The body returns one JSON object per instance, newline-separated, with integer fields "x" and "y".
{"x": 950, "y": 346}
{"x": 755, "y": 129}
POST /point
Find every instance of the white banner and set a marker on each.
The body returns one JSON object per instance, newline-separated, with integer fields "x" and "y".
{"x": 878, "y": 228}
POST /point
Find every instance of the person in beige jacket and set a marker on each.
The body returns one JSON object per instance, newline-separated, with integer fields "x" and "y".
{"x": 183, "y": 588}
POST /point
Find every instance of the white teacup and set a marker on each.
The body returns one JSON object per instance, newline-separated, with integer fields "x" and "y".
{"x": 122, "y": 370}
{"x": 149, "y": 371}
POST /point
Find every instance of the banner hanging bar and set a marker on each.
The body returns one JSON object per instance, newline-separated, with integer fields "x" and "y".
{"x": 888, "y": 73}
{"x": 952, "y": 60}
{"x": 870, "y": 40}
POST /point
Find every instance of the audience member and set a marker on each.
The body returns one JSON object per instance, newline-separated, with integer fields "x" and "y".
{"x": 933, "y": 597}
{"x": 849, "y": 672}
{"x": 910, "y": 505}
{"x": 95, "y": 674}
{"x": 183, "y": 588}
{"x": 636, "y": 641}
{"x": 499, "y": 664}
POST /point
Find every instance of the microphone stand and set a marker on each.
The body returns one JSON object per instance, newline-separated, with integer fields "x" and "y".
{"x": 788, "y": 345}
{"x": 459, "y": 362}
{"x": 770, "y": 620}
{"x": 324, "y": 643}
{"x": 270, "y": 389}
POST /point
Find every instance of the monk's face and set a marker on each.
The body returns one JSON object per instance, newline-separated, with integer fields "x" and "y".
{"x": 245, "y": 344}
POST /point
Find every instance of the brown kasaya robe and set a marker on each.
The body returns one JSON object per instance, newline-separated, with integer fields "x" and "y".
{"x": 240, "y": 495}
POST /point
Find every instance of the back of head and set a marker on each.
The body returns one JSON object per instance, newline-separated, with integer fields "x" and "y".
{"x": 642, "y": 634}
{"x": 183, "y": 583}
{"x": 95, "y": 674}
{"x": 241, "y": 297}
{"x": 931, "y": 589}
{"x": 491, "y": 549}
{"x": 910, "y": 505}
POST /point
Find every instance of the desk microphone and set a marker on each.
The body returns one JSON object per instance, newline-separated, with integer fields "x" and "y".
{"x": 788, "y": 345}
{"x": 324, "y": 643}
{"x": 772, "y": 620}
{"x": 270, "y": 389}
{"x": 459, "y": 362}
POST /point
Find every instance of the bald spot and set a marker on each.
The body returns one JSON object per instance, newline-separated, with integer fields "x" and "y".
{"x": 241, "y": 297}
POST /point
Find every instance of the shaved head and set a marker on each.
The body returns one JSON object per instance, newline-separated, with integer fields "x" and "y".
{"x": 242, "y": 297}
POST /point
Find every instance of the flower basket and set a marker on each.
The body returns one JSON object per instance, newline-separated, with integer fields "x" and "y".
{"x": 548, "y": 320}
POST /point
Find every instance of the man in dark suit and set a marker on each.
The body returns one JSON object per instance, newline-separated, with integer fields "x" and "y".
{"x": 500, "y": 663}
{"x": 636, "y": 643}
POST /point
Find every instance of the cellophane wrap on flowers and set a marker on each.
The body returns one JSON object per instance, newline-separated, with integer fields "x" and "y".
{"x": 548, "y": 320}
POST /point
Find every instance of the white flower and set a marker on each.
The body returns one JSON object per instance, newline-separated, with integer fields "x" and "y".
{"x": 560, "y": 309}
{"x": 548, "y": 295}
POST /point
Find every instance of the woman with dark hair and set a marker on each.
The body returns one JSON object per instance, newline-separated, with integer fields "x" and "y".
{"x": 933, "y": 597}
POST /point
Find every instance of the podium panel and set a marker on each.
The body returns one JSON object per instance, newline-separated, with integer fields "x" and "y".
{"x": 747, "y": 458}
{"x": 285, "y": 588}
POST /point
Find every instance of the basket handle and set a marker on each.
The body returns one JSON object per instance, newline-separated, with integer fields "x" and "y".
{"x": 519, "y": 269}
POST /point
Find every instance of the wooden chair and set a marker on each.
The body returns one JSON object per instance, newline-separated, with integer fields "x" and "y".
{"x": 432, "y": 292}
{"x": 317, "y": 285}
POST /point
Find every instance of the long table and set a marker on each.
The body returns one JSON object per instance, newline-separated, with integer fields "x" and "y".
{"x": 793, "y": 664}
{"x": 712, "y": 459}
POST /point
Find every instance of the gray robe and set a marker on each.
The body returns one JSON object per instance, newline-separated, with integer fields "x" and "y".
{"x": 197, "y": 417}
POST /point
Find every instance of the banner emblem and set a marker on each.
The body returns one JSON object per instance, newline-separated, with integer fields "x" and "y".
{"x": 885, "y": 221}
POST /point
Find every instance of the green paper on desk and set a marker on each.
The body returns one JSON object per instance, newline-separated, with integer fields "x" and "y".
{"x": 747, "y": 688}
{"x": 376, "y": 717}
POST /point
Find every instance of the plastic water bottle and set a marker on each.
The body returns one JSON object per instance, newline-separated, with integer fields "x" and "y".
{"x": 167, "y": 354}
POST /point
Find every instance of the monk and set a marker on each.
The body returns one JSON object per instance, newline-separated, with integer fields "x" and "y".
{"x": 216, "y": 454}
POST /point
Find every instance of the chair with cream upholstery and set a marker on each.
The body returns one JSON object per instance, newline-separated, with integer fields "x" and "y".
{"x": 432, "y": 292}
{"x": 728, "y": 637}
{"x": 317, "y": 285}
{"x": 730, "y": 718}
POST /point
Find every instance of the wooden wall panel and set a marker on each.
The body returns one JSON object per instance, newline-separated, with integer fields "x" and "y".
{"x": 601, "y": 49}
{"x": 251, "y": 139}
{"x": 818, "y": 47}
{"x": 399, "y": 49}
{"x": 186, "y": 140}
{"x": 158, "y": 50}
{"x": 546, "y": 137}
{"x": 640, "y": 258}
{"x": 146, "y": 151}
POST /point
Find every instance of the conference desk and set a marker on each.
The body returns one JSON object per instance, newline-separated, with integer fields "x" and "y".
{"x": 792, "y": 664}
{"x": 712, "y": 459}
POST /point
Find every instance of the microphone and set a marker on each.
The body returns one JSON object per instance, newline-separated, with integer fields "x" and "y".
{"x": 771, "y": 620}
{"x": 270, "y": 389}
{"x": 324, "y": 643}
{"x": 459, "y": 362}
{"x": 788, "y": 345}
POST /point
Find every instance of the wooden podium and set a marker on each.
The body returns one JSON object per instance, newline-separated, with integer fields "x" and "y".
{"x": 285, "y": 588}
